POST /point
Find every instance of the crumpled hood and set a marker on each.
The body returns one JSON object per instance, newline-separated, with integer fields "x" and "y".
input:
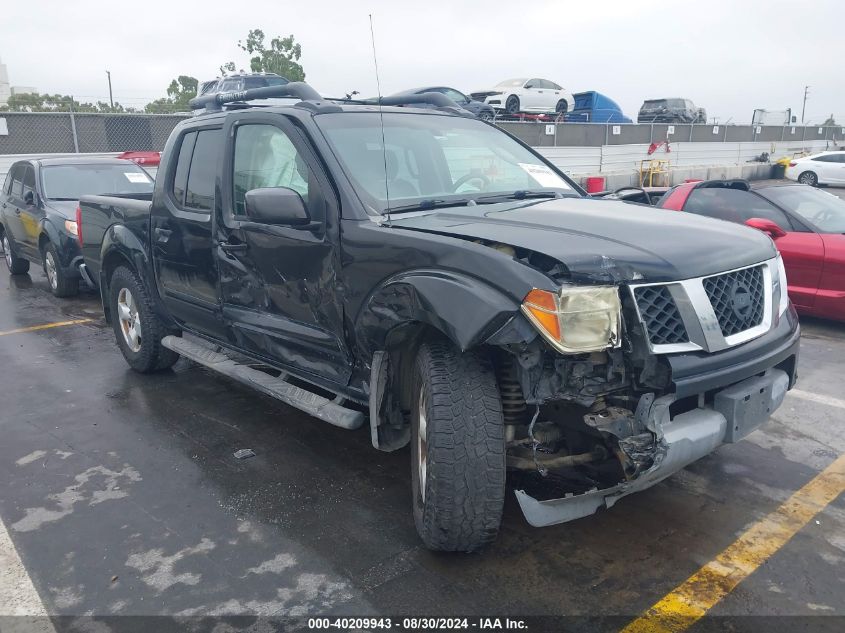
{"x": 605, "y": 240}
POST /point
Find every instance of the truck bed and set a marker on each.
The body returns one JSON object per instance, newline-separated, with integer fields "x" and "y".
{"x": 99, "y": 213}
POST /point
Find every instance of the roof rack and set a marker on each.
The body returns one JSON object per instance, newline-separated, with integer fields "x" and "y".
{"x": 215, "y": 102}
{"x": 436, "y": 99}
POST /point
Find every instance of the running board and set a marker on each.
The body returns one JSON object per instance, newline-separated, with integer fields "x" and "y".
{"x": 275, "y": 387}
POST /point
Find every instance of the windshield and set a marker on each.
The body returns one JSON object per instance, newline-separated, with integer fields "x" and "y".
{"x": 433, "y": 158}
{"x": 512, "y": 83}
{"x": 70, "y": 182}
{"x": 823, "y": 210}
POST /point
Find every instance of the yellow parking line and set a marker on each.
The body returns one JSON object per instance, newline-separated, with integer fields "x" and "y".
{"x": 46, "y": 326}
{"x": 692, "y": 599}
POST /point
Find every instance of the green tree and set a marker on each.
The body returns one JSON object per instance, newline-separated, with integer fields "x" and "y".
{"x": 34, "y": 102}
{"x": 280, "y": 57}
{"x": 830, "y": 121}
{"x": 180, "y": 91}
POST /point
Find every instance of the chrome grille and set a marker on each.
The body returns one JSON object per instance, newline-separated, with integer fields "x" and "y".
{"x": 660, "y": 315}
{"x": 737, "y": 298}
{"x": 709, "y": 313}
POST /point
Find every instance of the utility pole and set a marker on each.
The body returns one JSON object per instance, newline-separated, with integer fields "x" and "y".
{"x": 804, "y": 107}
{"x": 111, "y": 100}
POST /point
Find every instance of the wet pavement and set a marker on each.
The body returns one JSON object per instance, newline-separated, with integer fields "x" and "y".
{"x": 122, "y": 496}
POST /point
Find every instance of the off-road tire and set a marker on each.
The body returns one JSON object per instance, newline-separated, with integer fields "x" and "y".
{"x": 512, "y": 105}
{"x": 464, "y": 446}
{"x": 65, "y": 286}
{"x": 152, "y": 355}
{"x": 16, "y": 265}
{"x": 808, "y": 178}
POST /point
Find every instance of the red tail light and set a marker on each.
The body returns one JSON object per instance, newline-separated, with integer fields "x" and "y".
{"x": 792, "y": 163}
{"x": 79, "y": 226}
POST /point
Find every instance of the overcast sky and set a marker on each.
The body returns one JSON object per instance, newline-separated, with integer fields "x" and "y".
{"x": 728, "y": 56}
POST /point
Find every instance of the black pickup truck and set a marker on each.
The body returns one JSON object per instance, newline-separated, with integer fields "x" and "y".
{"x": 429, "y": 276}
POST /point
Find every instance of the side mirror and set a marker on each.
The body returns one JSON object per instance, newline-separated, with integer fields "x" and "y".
{"x": 767, "y": 226}
{"x": 276, "y": 205}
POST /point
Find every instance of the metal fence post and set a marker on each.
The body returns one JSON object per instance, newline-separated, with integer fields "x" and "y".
{"x": 73, "y": 128}
{"x": 803, "y": 136}
{"x": 691, "y": 127}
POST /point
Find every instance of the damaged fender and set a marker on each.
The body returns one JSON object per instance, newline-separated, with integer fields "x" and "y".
{"x": 467, "y": 310}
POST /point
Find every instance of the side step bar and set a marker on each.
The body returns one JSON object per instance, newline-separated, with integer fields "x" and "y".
{"x": 276, "y": 387}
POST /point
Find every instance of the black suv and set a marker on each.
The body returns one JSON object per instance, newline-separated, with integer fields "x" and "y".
{"x": 671, "y": 111}
{"x": 38, "y": 209}
{"x": 426, "y": 275}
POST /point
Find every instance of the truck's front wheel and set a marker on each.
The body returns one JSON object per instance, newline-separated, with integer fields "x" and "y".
{"x": 137, "y": 327}
{"x": 457, "y": 447}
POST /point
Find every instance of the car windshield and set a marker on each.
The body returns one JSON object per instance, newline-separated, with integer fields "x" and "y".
{"x": 823, "y": 210}
{"x": 432, "y": 160}
{"x": 70, "y": 182}
{"x": 512, "y": 83}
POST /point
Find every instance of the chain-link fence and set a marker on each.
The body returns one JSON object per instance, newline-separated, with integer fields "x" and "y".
{"x": 66, "y": 132}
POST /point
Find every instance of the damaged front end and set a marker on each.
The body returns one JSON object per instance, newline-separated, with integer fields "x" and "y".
{"x": 586, "y": 429}
{"x": 652, "y": 443}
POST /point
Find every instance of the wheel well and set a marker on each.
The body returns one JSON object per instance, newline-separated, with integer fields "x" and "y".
{"x": 43, "y": 240}
{"x": 111, "y": 261}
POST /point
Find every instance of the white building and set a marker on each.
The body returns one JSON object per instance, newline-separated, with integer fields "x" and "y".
{"x": 5, "y": 88}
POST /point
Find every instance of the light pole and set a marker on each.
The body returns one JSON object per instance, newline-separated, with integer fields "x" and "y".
{"x": 803, "y": 107}
{"x": 111, "y": 100}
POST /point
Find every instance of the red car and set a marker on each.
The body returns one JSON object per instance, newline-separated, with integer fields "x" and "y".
{"x": 807, "y": 225}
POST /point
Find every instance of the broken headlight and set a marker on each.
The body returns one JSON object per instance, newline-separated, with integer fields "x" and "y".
{"x": 576, "y": 319}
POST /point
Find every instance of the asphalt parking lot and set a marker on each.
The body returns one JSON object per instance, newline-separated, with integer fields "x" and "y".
{"x": 121, "y": 496}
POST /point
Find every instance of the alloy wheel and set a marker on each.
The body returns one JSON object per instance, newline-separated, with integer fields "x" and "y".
{"x": 130, "y": 322}
{"x": 7, "y": 251}
{"x": 50, "y": 269}
{"x": 422, "y": 446}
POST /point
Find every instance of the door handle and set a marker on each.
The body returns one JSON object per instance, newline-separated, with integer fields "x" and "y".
{"x": 162, "y": 235}
{"x": 233, "y": 248}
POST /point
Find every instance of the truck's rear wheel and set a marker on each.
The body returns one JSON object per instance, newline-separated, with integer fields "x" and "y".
{"x": 457, "y": 447}
{"x": 136, "y": 326}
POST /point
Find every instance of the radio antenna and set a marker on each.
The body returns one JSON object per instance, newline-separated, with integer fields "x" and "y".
{"x": 381, "y": 121}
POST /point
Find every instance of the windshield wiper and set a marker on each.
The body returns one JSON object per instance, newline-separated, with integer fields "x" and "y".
{"x": 521, "y": 194}
{"x": 430, "y": 203}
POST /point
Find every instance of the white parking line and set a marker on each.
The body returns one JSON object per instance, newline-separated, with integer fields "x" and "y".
{"x": 815, "y": 397}
{"x": 17, "y": 593}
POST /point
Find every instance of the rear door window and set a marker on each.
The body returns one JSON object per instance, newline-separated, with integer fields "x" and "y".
{"x": 202, "y": 176}
{"x": 183, "y": 163}
{"x": 734, "y": 205}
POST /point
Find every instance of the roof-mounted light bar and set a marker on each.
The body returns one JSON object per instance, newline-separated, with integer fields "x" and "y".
{"x": 215, "y": 102}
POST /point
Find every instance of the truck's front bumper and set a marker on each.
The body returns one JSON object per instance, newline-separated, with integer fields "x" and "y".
{"x": 742, "y": 391}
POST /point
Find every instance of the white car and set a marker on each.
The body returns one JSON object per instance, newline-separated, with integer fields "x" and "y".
{"x": 824, "y": 168}
{"x": 529, "y": 95}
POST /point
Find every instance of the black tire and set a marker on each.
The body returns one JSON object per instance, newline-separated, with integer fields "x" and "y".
{"x": 151, "y": 355}
{"x": 512, "y": 105}
{"x": 486, "y": 115}
{"x": 16, "y": 265}
{"x": 61, "y": 285}
{"x": 808, "y": 178}
{"x": 458, "y": 506}
{"x": 561, "y": 107}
